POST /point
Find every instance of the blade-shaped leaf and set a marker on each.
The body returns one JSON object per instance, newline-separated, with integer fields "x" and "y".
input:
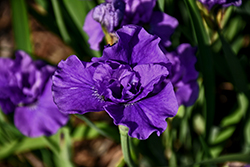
{"x": 205, "y": 60}
{"x": 239, "y": 75}
{"x": 104, "y": 131}
{"x": 60, "y": 21}
{"x": 225, "y": 158}
{"x": 21, "y": 25}
{"x": 78, "y": 11}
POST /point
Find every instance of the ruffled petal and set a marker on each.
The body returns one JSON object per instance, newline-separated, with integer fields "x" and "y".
{"x": 146, "y": 116}
{"x": 31, "y": 77}
{"x": 23, "y": 62}
{"x": 183, "y": 63}
{"x": 7, "y": 106}
{"x": 188, "y": 93}
{"x": 41, "y": 118}
{"x": 10, "y": 92}
{"x": 150, "y": 75}
{"x": 94, "y": 31}
{"x": 224, "y": 3}
{"x": 183, "y": 74}
{"x": 8, "y": 81}
{"x": 73, "y": 88}
{"x": 232, "y": 2}
{"x": 188, "y": 59}
{"x": 164, "y": 26}
{"x": 138, "y": 11}
{"x": 135, "y": 46}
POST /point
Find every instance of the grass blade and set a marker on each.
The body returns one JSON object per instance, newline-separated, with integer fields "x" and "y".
{"x": 92, "y": 125}
{"x": 225, "y": 158}
{"x": 78, "y": 11}
{"x": 60, "y": 21}
{"x": 238, "y": 74}
{"x": 205, "y": 60}
{"x": 21, "y": 25}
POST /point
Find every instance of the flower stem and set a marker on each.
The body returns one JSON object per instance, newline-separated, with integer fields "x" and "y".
{"x": 110, "y": 38}
{"x": 125, "y": 143}
{"x": 92, "y": 125}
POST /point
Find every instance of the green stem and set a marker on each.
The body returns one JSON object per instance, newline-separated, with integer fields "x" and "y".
{"x": 92, "y": 125}
{"x": 125, "y": 143}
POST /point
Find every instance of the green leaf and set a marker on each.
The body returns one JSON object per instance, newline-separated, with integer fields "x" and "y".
{"x": 78, "y": 11}
{"x": 21, "y": 25}
{"x": 63, "y": 157}
{"x": 43, "y": 4}
{"x": 22, "y": 145}
{"x": 46, "y": 157}
{"x": 161, "y": 4}
{"x": 228, "y": 126}
{"x": 8, "y": 149}
{"x": 205, "y": 147}
{"x": 104, "y": 131}
{"x": 60, "y": 21}
{"x": 236, "y": 25}
{"x": 205, "y": 61}
{"x": 236, "y": 116}
{"x": 1, "y": 116}
{"x": 238, "y": 74}
{"x": 238, "y": 44}
{"x": 247, "y": 136}
{"x": 86, "y": 132}
{"x": 224, "y": 135}
{"x": 225, "y": 158}
{"x": 31, "y": 144}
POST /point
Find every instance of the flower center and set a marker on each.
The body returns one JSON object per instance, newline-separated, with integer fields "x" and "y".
{"x": 119, "y": 84}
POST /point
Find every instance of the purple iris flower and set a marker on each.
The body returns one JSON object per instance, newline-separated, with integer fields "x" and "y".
{"x": 139, "y": 12}
{"x": 223, "y": 3}
{"x": 129, "y": 82}
{"x": 25, "y": 89}
{"x": 163, "y": 26}
{"x": 183, "y": 74}
{"x": 109, "y": 14}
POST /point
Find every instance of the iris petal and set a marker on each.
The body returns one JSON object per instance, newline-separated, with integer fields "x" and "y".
{"x": 74, "y": 89}
{"x": 40, "y": 118}
{"x": 146, "y": 116}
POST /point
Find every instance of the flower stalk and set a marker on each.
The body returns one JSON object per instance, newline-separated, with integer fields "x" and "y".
{"x": 126, "y": 145}
{"x": 110, "y": 38}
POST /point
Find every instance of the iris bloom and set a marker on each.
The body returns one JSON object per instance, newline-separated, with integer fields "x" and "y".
{"x": 129, "y": 82}
{"x": 25, "y": 89}
{"x": 183, "y": 74}
{"x": 224, "y": 3}
{"x": 113, "y": 14}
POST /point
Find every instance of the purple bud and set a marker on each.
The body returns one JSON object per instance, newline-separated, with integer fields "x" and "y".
{"x": 109, "y": 14}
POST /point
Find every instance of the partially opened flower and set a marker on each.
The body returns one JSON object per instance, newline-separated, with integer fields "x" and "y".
{"x": 105, "y": 16}
{"x": 183, "y": 74}
{"x": 124, "y": 82}
{"x": 140, "y": 12}
{"x": 25, "y": 89}
{"x": 223, "y": 3}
